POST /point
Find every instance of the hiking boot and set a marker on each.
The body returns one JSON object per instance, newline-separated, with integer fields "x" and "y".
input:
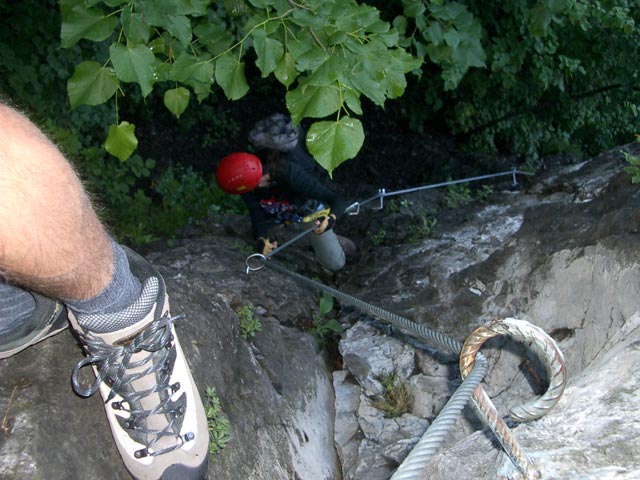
{"x": 152, "y": 404}
{"x": 48, "y": 318}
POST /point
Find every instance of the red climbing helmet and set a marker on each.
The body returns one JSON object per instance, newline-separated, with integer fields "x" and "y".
{"x": 239, "y": 172}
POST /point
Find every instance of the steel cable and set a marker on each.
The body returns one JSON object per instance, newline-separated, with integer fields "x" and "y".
{"x": 473, "y": 366}
{"x": 354, "y": 208}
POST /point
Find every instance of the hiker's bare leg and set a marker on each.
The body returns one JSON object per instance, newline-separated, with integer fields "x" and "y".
{"x": 51, "y": 239}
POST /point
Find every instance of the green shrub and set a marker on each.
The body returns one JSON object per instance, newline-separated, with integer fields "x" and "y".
{"x": 249, "y": 323}
{"x": 217, "y": 422}
{"x": 396, "y": 397}
{"x": 457, "y": 195}
{"x": 634, "y": 166}
{"x": 378, "y": 237}
{"x": 323, "y": 326}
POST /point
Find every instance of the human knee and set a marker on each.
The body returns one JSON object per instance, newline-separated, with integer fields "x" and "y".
{"x": 328, "y": 251}
{"x": 333, "y": 264}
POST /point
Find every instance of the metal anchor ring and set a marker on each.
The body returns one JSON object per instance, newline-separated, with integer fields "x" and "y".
{"x": 261, "y": 258}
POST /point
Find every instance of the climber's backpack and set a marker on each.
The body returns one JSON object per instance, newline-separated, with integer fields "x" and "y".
{"x": 276, "y": 132}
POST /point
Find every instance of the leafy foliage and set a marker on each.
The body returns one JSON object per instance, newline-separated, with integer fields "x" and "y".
{"x": 526, "y": 77}
{"x": 327, "y": 54}
{"x": 140, "y": 199}
{"x": 457, "y": 194}
{"x": 249, "y": 323}
{"x": 323, "y": 326}
{"x": 424, "y": 224}
{"x": 560, "y": 76}
{"x": 522, "y": 76}
{"x": 396, "y": 398}
{"x": 633, "y": 168}
{"x": 217, "y": 423}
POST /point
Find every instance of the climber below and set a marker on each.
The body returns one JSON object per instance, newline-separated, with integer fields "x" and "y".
{"x": 282, "y": 184}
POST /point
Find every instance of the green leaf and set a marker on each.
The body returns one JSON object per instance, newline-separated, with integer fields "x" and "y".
{"x": 451, "y": 11}
{"x": 394, "y": 83}
{"x": 157, "y": 45}
{"x": 329, "y": 71}
{"x": 439, "y": 54}
{"x": 469, "y": 55}
{"x": 121, "y": 141}
{"x": 337, "y": 38}
{"x": 401, "y": 24}
{"x": 407, "y": 62}
{"x": 134, "y": 64}
{"x": 188, "y": 69}
{"x": 177, "y": 100}
{"x": 434, "y": 33}
{"x": 112, "y": 3}
{"x": 91, "y": 84}
{"x": 413, "y": 8}
{"x": 285, "y": 70}
{"x": 261, "y": 3}
{"x": 80, "y": 22}
{"x": 539, "y": 20}
{"x": 202, "y": 90}
{"x": 162, "y": 70}
{"x": 312, "y": 101}
{"x": 214, "y": 38}
{"x": 334, "y": 326}
{"x": 557, "y": 6}
{"x": 452, "y": 37}
{"x": 311, "y": 59}
{"x": 268, "y": 51}
{"x": 363, "y": 78}
{"x": 197, "y": 8}
{"x": 167, "y": 14}
{"x": 390, "y": 39}
{"x": 135, "y": 27}
{"x": 352, "y": 99}
{"x": 230, "y": 76}
{"x": 307, "y": 18}
{"x": 332, "y": 143}
{"x": 326, "y": 303}
{"x": 157, "y": 11}
{"x": 180, "y": 27}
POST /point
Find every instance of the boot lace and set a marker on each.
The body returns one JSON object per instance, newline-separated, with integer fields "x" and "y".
{"x": 115, "y": 367}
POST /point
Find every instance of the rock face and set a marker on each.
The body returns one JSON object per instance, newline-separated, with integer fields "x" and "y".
{"x": 275, "y": 388}
{"x": 562, "y": 253}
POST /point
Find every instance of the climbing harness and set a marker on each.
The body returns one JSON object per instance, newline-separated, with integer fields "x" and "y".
{"x": 473, "y": 365}
{"x": 317, "y": 215}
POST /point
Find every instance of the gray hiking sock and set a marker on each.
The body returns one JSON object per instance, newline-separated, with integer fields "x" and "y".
{"x": 123, "y": 290}
{"x": 16, "y": 306}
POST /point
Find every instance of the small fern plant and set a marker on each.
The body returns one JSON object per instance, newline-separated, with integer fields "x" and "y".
{"x": 217, "y": 423}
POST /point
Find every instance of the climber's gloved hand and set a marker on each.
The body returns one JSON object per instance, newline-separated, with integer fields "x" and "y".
{"x": 325, "y": 223}
{"x": 265, "y": 247}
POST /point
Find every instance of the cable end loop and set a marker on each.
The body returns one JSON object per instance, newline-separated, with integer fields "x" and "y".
{"x": 258, "y": 261}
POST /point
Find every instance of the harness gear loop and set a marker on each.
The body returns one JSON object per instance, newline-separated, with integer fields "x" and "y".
{"x": 312, "y": 217}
